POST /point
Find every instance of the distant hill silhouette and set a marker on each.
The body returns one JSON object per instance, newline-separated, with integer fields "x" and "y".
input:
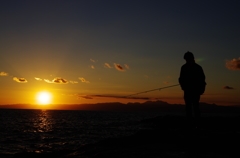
{"x": 159, "y": 105}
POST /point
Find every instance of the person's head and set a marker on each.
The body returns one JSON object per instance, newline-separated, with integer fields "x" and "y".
{"x": 188, "y": 56}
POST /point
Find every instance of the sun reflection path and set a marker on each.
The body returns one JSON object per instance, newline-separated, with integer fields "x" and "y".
{"x": 43, "y": 122}
{"x": 42, "y": 131}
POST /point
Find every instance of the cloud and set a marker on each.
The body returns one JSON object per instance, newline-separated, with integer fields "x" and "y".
{"x": 73, "y": 82}
{"x": 85, "y": 96}
{"x": 92, "y": 67}
{"x": 227, "y": 87}
{"x": 59, "y": 80}
{"x": 165, "y": 82}
{"x": 110, "y": 97}
{"x": 38, "y": 79}
{"x": 233, "y": 64}
{"x": 107, "y": 65}
{"x": 20, "y": 80}
{"x": 126, "y": 66}
{"x": 3, "y": 74}
{"x": 83, "y": 80}
{"x": 146, "y": 76}
{"x": 92, "y": 60}
{"x": 119, "y": 67}
{"x": 48, "y": 81}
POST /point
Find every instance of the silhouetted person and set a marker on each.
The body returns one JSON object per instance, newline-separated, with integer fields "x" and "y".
{"x": 192, "y": 81}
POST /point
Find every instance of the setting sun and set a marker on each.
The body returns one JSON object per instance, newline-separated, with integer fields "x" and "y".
{"x": 44, "y": 98}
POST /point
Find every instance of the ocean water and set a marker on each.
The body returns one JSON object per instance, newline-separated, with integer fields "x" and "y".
{"x": 49, "y": 130}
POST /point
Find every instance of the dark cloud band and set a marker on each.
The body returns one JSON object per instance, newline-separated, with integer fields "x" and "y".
{"x": 227, "y": 87}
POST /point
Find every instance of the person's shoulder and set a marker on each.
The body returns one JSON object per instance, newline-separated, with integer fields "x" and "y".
{"x": 197, "y": 65}
{"x": 184, "y": 65}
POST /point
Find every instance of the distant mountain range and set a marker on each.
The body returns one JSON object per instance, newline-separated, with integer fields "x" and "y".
{"x": 146, "y": 106}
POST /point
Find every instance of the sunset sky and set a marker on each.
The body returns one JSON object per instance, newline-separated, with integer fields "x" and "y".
{"x": 91, "y": 51}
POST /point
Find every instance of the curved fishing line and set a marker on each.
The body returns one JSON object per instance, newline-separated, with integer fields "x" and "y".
{"x": 152, "y": 90}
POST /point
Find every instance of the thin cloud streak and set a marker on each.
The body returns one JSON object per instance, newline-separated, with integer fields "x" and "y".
{"x": 73, "y": 82}
{"x": 38, "y": 79}
{"x": 107, "y": 65}
{"x": 48, "y": 81}
{"x": 227, "y": 87}
{"x": 111, "y": 97}
{"x": 83, "y": 80}
{"x": 92, "y": 60}
{"x": 3, "y": 74}
{"x": 126, "y": 66}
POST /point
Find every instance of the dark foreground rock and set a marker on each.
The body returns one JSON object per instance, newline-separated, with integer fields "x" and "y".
{"x": 167, "y": 136}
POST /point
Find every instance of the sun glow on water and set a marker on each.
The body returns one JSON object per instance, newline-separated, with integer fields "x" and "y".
{"x": 44, "y": 98}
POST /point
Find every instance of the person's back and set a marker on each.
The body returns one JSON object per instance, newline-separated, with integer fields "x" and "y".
{"x": 192, "y": 78}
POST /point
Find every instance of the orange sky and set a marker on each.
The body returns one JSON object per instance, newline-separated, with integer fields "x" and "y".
{"x": 80, "y": 51}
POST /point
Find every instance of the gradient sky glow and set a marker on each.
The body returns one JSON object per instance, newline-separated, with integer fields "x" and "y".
{"x": 79, "y": 50}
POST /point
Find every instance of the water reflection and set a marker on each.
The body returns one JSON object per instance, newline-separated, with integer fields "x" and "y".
{"x": 43, "y": 127}
{"x": 42, "y": 121}
{"x": 26, "y": 131}
{"x": 50, "y": 130}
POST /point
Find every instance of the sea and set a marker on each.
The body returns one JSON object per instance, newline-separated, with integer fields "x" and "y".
{"x": 48, "y": 130}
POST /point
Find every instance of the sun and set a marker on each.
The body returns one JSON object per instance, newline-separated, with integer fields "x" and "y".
{"x": 44, "y": 98}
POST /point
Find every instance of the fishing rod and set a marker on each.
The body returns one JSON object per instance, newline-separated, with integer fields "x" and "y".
{"x": 153, "y": 90}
